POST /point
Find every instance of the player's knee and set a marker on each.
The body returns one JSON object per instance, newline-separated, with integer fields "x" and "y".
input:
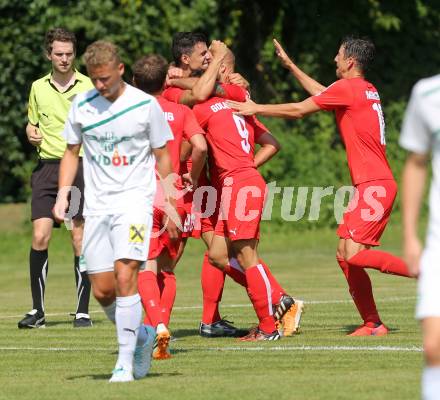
{"x": 340, "y": 254}
{"x": 104, "y": 296}
{"x": 40, "y": 240}
{"x": 431, "y": 346}
{"x": 217, "y": 259}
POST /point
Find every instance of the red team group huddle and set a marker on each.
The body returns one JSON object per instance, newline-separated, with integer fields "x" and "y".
{"x": 216, "y": 192}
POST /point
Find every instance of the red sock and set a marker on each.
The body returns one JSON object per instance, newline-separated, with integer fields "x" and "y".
{"x": 234, "y": 271}
{"x": 359, "y": 286}
{"x": 150, "y": 296}
{"x": 380, "y": 260}
{"x": 259, "y": 292}
{"x": 213, "y": 280}
{"x": 167, "y": 287}
{"x": 277, "y": 290}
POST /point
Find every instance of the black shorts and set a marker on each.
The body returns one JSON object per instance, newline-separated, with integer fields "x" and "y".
{"x": 44, "y": 184}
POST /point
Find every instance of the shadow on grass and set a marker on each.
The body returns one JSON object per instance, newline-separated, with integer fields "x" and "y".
{"x": 106, "y": 377}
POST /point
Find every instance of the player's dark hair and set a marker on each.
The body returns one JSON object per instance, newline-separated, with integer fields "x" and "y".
{"x": 60, "y": 35}
{"x": 362, "y": 50}
{"x": 184, "y": 42}
{"x": 149, "y": 73}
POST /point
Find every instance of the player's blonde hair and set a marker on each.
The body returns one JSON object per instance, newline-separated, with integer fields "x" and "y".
{"x": 101, "y": 52}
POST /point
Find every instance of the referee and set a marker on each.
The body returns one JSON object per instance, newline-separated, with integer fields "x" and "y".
{"x": 49, "y": 103}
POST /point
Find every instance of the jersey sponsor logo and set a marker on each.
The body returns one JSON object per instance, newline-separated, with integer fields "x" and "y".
{"x": 169, "y": 116}
{"x": 219, "y": 106}
{"x": 233, "y": 231}
{"x": 136, "y": 233}
{"x": 116, "y": 160}
{"x": 109, "y": 140}
{"x": 372, "y": 95}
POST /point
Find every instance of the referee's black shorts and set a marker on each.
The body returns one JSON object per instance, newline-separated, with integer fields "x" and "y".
{"x": 44, "y": 184}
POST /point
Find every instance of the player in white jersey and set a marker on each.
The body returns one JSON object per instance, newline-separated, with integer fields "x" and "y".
{"x": 123, "y": 132}
{"x": 421, "y": 136}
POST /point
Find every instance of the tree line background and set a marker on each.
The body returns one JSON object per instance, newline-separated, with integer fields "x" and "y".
{"x": 406, "y": 35}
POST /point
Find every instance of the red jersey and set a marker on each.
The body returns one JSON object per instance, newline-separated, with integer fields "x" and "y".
{"x": 231, "y": 138}
{"x": 361, "y": 124}
{"x": 183, "y": 125}
{"x": 230, "y": 92}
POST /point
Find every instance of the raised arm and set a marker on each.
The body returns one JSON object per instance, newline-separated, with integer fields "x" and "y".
{"x": 309, "y": 84}
{"x": 413, "y": 185}
{"x": 288, "y": 110}
{"x": 204, "y": 87}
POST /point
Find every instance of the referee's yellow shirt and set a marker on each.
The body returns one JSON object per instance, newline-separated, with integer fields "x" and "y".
{"x": 48, "y": 109}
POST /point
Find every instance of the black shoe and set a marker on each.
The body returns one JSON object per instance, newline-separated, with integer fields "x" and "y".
{"x": 82, "y": 322}
{"x": 33, "y": 319}
{"x": 222, "y": 328}
{"x": 283, "y": 306}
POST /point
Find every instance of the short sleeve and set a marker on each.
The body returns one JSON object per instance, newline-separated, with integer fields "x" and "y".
{"x": 32, "y": 107}
{"x": 259, "y": 128}
{"x": 337, "y": 95}
{"x": 173, "y": 94}
{"x": 190, "y": 125}
{"x": 415, "y": 135}
{"x": 201, "y": 116}
{"x": 72, "y": 128}
{"x": 232, "y": 92}
{"x": 160, "y": 132}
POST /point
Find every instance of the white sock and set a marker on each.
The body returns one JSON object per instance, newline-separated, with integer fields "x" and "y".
{"x": 128, "y": 320}
{"x": 161, "y": 328}
{"x": 431, "y": 383}
{"x": 110, "y": 311}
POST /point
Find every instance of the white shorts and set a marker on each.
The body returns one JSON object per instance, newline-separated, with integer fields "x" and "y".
{"x": 428, "y": 304}
{"x": 108, "y": 238}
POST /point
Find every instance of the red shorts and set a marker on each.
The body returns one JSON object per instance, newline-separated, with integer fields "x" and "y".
{"x": 160, "y": 239}
{"x": 368, "y": 212}
{"x": 195, "y": 222}
{"x": 240, "y": 217}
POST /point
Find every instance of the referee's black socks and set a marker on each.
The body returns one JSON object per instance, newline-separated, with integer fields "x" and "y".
{"x": 39, "y": 266}
{"x": 82, "y": 289}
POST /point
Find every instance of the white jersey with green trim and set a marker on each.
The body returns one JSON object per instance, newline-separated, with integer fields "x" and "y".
{"x": 421, "y": 134}
{"x": 117, "y": 139}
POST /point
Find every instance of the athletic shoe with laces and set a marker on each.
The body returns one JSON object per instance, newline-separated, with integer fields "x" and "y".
{"x": 161, "y": 350}
{"x": 283, "y": 306}
{"x": 292, "y": 318}
{"x": 370, "y": 329}
{"x": 121, "y": 374}
{"x": 257, "y": 335}
{"x": 143, "y": 354}
{"x": 33, "y": 319}
{"x": 82, "y": 321}
{"x": 222, "y": 328}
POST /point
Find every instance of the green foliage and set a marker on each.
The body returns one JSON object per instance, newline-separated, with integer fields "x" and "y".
{"x": 405, "y": 34}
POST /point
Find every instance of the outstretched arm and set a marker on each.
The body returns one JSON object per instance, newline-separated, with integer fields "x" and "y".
{"x": 288, "y": 110}
{"x": 309, "y": 84}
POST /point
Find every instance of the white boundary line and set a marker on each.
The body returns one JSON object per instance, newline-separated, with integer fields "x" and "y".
{"x": 411, "y": 349}
{"x": 199, "y": 307}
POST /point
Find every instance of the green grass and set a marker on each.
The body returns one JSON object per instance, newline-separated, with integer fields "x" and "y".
{"x": 60, "y": 362}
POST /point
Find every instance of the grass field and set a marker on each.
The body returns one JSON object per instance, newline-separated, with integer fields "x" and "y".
{"x": 60, "y": 362}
